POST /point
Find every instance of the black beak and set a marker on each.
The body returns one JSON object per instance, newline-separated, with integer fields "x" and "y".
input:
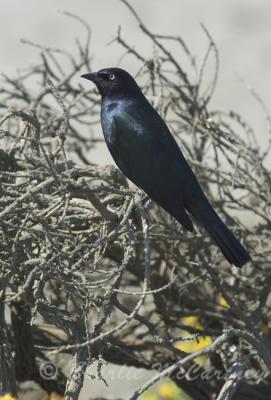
{"x": 91, "y": 76}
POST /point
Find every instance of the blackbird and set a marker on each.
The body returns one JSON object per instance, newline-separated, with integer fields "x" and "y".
{"x": 146, "y": 152}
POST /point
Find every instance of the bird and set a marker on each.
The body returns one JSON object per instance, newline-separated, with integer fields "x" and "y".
{"x": 146, "y": 152}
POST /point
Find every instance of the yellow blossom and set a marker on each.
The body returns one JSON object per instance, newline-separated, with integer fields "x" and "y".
{"x": 192, "y": 345}
{"x": 167, "y": 390}
{"x": 192, "y": 321}
{"x": 7, "y": 396}
{"x": 222, "y": 302}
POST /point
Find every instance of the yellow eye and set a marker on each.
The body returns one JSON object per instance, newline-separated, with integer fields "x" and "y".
{"x": 111, "y": 77}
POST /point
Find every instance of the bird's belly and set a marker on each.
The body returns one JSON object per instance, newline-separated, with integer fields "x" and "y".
{"x": 131, "y": 155}
{"x": 126, "y": 152}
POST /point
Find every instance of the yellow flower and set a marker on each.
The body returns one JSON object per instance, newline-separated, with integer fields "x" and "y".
{"x": 193, "y": 345}
{"x": 7, "y": 396}
{"x": 222, "y": 302}
{"x": 193, "y": 322}
{"x": 167, "y": 390}
{"x": 150, "y": 395}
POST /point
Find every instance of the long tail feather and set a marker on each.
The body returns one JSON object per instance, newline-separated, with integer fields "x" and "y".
{"x": 232, "y": 249}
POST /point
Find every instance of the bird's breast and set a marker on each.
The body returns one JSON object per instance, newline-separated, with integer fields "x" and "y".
{"x": 121, "y": 111}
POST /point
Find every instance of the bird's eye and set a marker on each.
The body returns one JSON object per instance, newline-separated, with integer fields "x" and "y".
{"x": 111, "y": 77}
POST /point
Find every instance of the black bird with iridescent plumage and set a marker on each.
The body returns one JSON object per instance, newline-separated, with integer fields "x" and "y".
{"x": 146, "y": 152}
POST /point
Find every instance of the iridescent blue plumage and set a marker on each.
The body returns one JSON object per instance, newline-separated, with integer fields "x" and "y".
{"x": 114, "y": 109}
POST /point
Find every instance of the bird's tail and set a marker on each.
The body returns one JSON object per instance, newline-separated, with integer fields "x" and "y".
{"x": 232, "y": 249}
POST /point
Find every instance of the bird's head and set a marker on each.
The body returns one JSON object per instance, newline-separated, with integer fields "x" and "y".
{"x": 113, "y": 82}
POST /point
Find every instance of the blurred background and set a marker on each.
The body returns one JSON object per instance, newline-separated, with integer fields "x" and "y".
{"x": 242, "y": 33}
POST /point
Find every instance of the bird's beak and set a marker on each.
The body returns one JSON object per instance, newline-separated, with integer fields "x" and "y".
{"x": 96, "y": 79}
{"x": 93, "y": 76}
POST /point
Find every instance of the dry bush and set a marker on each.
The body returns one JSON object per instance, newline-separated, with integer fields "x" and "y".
{"x": 92, "y": 270}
